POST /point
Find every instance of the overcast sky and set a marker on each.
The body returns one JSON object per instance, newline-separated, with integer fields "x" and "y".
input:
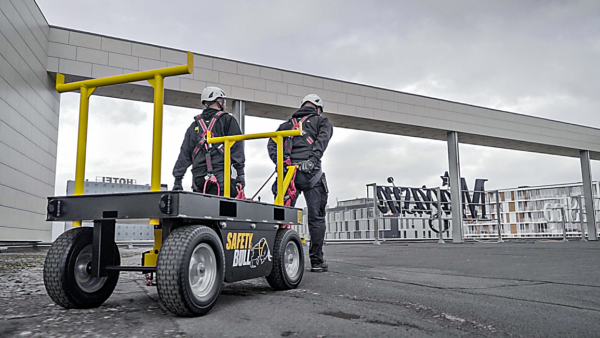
{"x": 537, "y": 58}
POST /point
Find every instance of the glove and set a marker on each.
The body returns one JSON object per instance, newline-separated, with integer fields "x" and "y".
{"x": 306, "y": 166}
{"x": 241, "y": 179}
{"x": 177, "y": 185}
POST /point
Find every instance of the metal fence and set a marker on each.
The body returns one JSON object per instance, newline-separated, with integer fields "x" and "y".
{"x": 406, "y": 213}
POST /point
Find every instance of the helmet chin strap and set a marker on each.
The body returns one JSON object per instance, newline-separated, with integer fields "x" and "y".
{"x": 217, "y": 102}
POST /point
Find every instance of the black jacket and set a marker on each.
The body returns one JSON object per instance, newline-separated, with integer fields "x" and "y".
{"x": 226, "y": 125}
{"x": 317, "y": 127}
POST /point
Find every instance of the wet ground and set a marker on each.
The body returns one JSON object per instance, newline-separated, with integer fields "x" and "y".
{"x": 426, "y": 290}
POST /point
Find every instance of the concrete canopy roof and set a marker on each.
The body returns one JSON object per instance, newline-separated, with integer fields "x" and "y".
{"x": 276, "y": 93}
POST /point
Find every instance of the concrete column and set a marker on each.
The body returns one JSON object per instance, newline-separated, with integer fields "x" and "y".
{"x": 455, "y": 193}
{"x": 586, "y": 173}
{"x": 239, "y": 112}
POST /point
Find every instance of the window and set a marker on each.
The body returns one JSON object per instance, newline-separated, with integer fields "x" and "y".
{"x": 347, "y": 215}
{"x": 387, "y": 224}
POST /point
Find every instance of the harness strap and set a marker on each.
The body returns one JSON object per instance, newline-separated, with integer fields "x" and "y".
{"x": 287, "y": 145}
{"x": 316, "y": 178}
{"x": 210, "y": 177}
{"x": 202, "y": 142}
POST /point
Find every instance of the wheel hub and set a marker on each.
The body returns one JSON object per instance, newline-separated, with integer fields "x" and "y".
{"x": 83, "y": 272}
{"x": 292, "y": 260}
{"x": 202, "y": 271}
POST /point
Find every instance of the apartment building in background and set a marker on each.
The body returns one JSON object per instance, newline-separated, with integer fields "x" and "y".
{"x": 524, "y": 213}
{"x": 524, "y": 210}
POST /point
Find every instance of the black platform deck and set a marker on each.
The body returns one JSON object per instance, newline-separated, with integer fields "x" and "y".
{"x": 168, "y": 204}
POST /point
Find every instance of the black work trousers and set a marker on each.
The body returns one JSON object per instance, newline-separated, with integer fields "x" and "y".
{"x": 316, "y": 201}
{"x": 212, "y": 188}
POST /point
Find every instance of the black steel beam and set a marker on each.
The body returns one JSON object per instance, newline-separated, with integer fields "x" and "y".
{"x": 103, "y": 247}
{"x": 130, "y": 268}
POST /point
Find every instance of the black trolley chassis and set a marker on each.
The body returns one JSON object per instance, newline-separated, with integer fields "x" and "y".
{"x": 174, "y": 209}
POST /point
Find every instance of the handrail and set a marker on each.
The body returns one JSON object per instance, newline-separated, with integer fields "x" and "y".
{"x": 87, "y": 87}
{"x": 277, "y": 137}
{"x": 243, "y": 137}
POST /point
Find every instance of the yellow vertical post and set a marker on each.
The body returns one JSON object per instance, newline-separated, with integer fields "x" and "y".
{"x": 84, "y": 104}
{"x": 227, "y": 180}
{"x": 280, "y": 192}
{"x": 159, "y": 89}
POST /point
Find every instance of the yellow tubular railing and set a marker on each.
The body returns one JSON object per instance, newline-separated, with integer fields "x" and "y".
{"x": 156, "y": 79}
{"x": 276, "y": 136}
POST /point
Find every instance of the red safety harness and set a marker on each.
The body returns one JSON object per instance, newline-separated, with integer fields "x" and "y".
{"x": 210, "y": 177}
{"x": 287, "y": 145}
{"x": 292, "y": 192}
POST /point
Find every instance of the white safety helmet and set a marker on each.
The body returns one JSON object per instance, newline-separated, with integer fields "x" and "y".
{"x": 210, "y": 94}
{"x": 314, "y": 99}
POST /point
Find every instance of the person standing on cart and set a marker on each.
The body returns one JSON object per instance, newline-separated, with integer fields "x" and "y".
{"x": 207, "y": 160}
{"x": 306, "y": 151}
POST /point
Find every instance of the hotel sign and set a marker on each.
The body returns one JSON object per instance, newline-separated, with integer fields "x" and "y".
{"x": 117, "y": 180}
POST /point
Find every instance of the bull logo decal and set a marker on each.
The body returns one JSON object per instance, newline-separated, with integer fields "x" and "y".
{"x": 245, "y": 253}
{"x": 260, "y": 253}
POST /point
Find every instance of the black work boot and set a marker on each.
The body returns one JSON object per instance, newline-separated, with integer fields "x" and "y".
{"x": 319, "y": 267}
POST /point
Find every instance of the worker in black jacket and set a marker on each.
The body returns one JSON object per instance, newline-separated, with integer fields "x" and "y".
{"x": 306, "y": 151}
{"x": 208, "y": 160}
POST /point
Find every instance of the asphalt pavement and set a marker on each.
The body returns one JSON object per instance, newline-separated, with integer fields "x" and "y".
{"x": 522, "y": 289}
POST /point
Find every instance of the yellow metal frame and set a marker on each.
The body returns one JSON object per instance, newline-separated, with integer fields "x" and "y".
{"x": 156, "y": 79}
{"x": 87, "y": 87}
{"x": 277, "y": 136}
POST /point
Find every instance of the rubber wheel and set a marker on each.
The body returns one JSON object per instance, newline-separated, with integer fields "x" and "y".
{"x": 288, "y": 261}
{"x": 66, "y": 275}
{"x": 190, "y": 270}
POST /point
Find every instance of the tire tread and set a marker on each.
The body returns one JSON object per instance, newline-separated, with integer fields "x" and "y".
{"x": 56, "y": 275}
{"x": 170, "y": 275}
{"x": 277, "y": 277}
